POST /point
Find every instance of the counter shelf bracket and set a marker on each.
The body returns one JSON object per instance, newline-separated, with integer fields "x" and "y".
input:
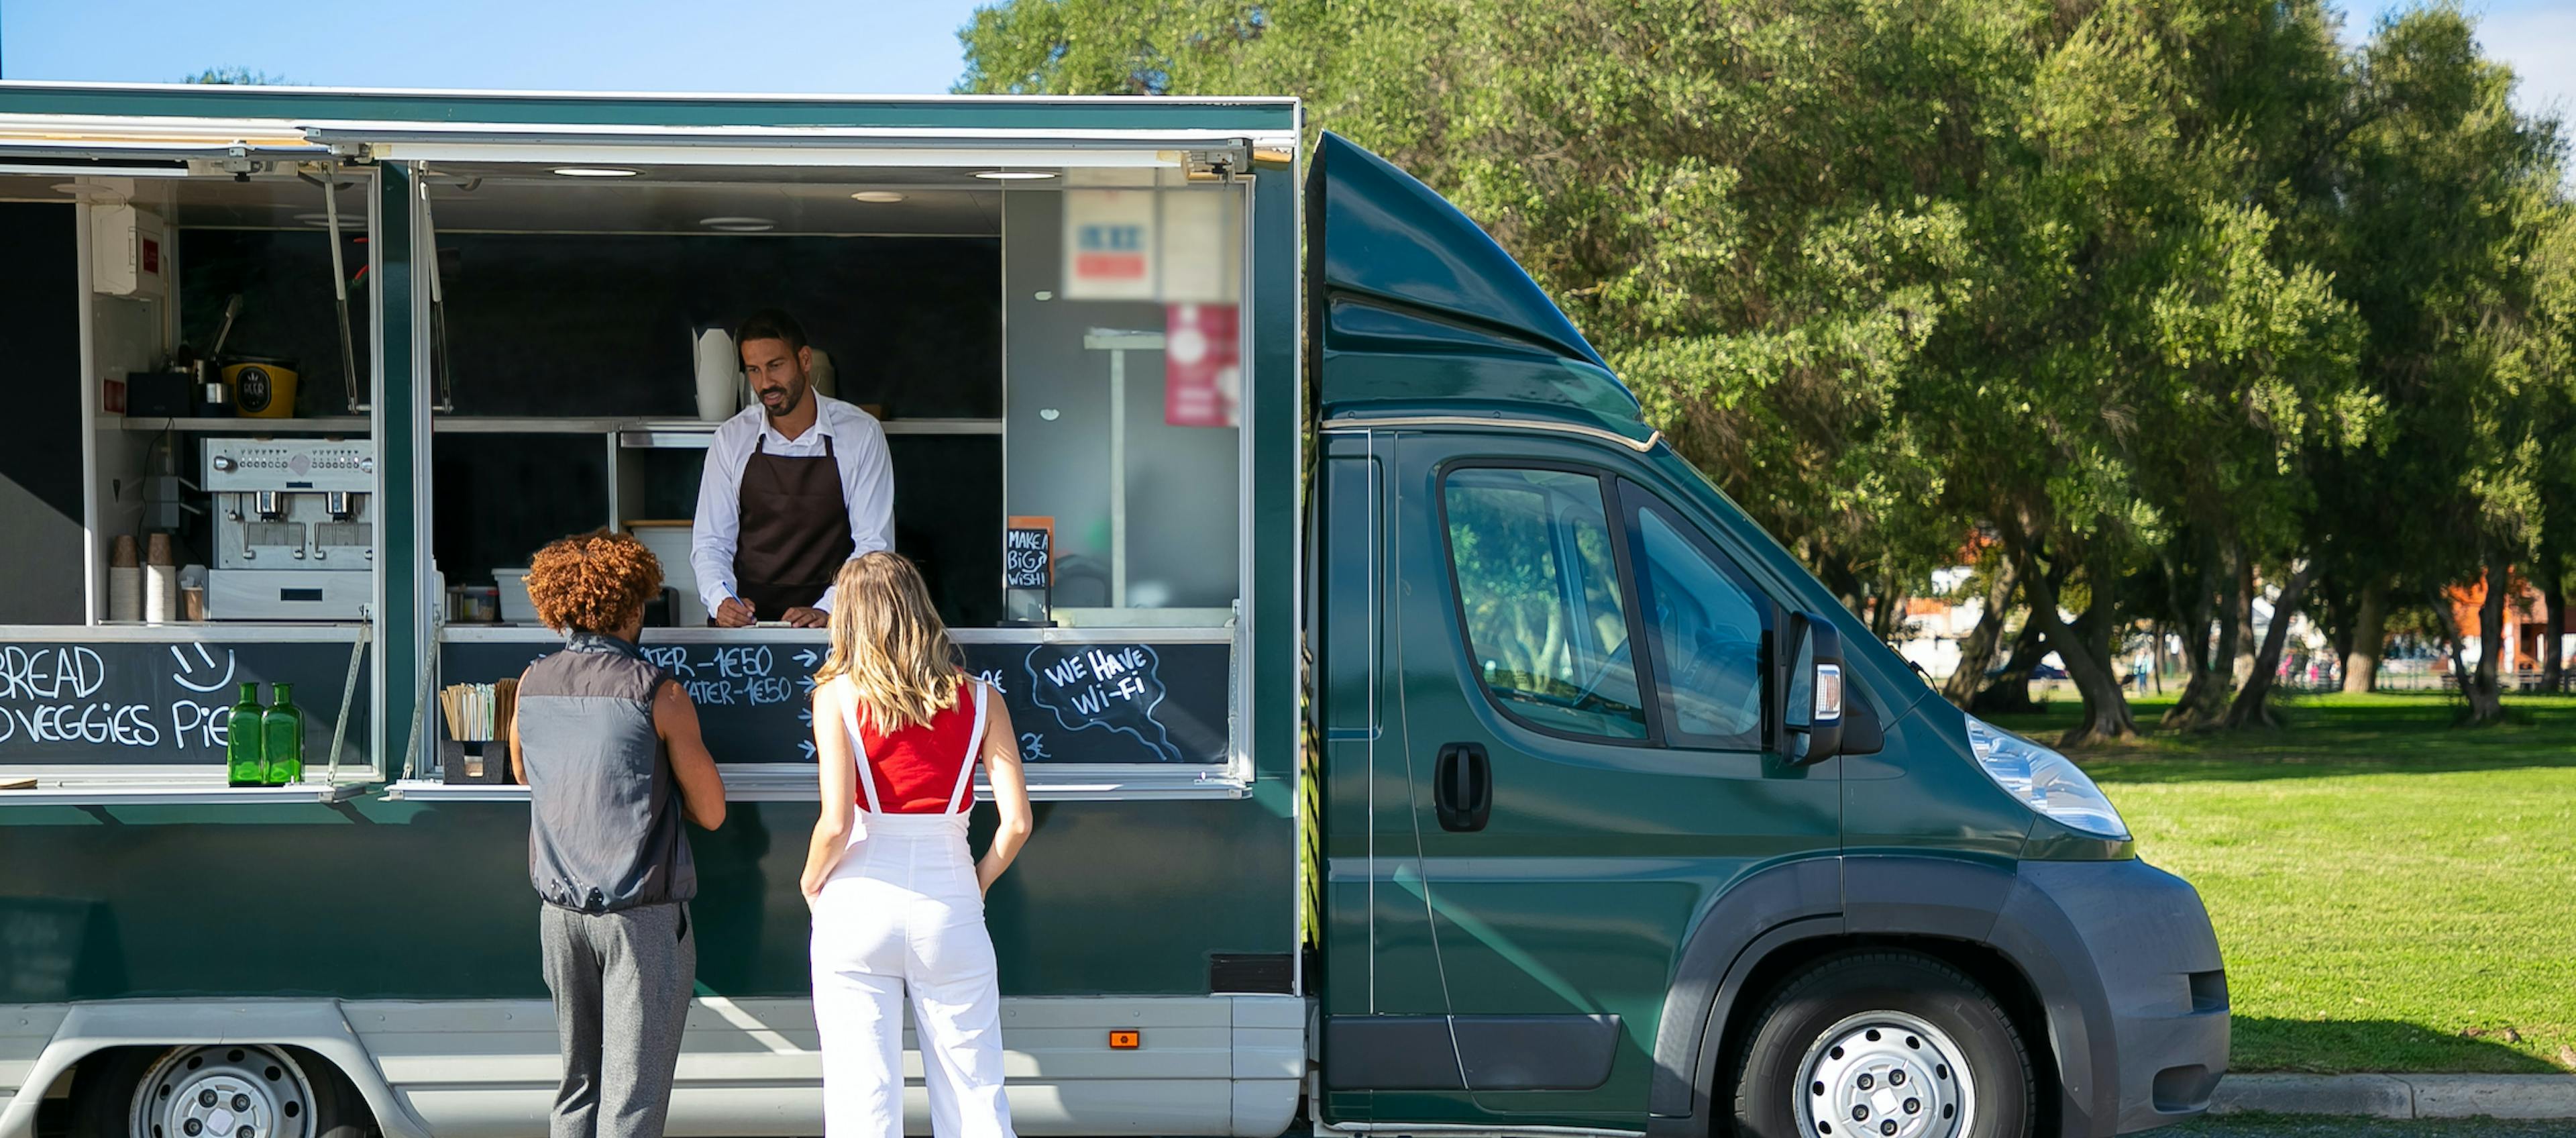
{"x": 349, "y": 693}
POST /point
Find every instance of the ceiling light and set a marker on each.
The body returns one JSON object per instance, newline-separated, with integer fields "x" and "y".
{"x": 1013, "y": 175}
{"x": 323, "y": 220}
{"x": 739, "y": 224}
{"x": 593, "y": 172}
{"x": 879, "y": 197}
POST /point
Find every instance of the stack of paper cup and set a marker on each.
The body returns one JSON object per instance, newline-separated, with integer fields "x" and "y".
{"x": 160, "y": 581}
{"x": 124, "y": 580}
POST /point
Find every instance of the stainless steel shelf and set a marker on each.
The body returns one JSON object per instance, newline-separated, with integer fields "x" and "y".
{"x": 183, "y": 632}
{"x": 316, "y": 425}
{"x": 694, "y": 434}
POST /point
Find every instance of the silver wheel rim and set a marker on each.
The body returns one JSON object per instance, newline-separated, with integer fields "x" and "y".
{"x": 1884, "y": 1074}
{"x": 223, "y": 1091}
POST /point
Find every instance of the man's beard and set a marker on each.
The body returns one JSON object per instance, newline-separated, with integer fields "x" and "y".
{"x": 786, "y": 406}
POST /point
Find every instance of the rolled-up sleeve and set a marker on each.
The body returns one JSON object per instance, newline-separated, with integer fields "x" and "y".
{"x": 719, "y": 522}
{"x": 867, "y": 489}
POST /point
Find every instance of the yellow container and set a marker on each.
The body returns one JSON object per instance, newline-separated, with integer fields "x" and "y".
{"x": 262, "y": 389}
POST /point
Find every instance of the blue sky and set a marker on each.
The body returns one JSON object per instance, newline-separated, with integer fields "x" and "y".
{"x": 850, "y": 46}
{"x": 2538, "y": 37}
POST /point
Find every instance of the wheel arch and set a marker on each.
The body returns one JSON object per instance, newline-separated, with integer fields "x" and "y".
{"x": 316, "y": 1026}
{"x": 1953, "y": 910}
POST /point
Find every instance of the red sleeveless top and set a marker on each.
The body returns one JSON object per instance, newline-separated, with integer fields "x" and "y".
{"x": 916, "y": 770}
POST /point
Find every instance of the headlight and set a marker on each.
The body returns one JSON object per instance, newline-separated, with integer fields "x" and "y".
{"x": 2044, "y": 780}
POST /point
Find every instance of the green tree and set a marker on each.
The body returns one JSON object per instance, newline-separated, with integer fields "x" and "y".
{"x": 236, "y": 76}
{"x": 1634, "y": 158}
{"x": 2444, "y": 223}
{"x": 2178, "y": 301}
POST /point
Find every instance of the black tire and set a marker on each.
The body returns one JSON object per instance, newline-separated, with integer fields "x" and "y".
{"x": 103, "y": 1089}
{"x": 339, "y": 1111}
{"x": 1846, "y": 993}
{"x": 104, "y": 1085}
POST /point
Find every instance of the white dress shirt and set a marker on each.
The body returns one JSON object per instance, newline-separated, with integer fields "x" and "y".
{"x": 867, "y": 488}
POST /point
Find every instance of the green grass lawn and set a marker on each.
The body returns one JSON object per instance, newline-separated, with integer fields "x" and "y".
{"x": 2391, "y": 893}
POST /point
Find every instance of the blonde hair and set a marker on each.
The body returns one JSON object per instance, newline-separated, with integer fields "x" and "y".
{"x": 890, "y": 642}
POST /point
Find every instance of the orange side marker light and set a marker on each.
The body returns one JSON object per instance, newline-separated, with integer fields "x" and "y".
{"x": 1126, "y": 1040}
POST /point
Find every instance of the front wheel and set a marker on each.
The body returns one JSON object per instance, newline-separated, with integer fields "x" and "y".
{"x": 1883, "y": 1045}
{"x": 215, "y": 1091}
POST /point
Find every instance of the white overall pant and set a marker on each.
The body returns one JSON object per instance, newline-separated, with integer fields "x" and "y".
{"x": 902, "y": 911}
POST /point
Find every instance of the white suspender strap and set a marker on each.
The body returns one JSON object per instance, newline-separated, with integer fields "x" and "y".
{"x": 858, "y": 743}
{"x": 957, "y": 799}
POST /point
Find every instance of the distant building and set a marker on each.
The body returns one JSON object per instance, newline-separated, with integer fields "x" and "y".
{"x": 2526, "y": 621}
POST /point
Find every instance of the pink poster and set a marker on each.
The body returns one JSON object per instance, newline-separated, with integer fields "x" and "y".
{"x": 1202, "y": 365}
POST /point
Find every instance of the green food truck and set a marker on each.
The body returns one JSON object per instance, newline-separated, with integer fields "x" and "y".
{"x": 1420, "y": 746}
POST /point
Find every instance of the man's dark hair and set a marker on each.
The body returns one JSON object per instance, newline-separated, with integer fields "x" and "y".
{"x": 770, "y": 324}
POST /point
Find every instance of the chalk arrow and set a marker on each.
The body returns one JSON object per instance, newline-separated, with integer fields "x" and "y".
{"x": 807, "y": 749}
{"x": 809, "y": 685}
{"x": 807, "y": 657}
{"x": 204, "y": 664}
{"x": 805, "y": 716}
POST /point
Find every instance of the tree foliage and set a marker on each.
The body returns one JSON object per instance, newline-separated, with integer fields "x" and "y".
{"x": 236, "y": 76}
{"x": 2170, "y": 299}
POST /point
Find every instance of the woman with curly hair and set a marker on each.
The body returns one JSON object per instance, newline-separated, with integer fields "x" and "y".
{"x": 608, "y": 747}
{"x": 898, "y": 898}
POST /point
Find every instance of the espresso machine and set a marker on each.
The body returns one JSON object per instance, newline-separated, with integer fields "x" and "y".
{"x": 294, "y": 528}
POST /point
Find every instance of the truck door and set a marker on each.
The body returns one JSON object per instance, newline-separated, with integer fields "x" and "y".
{"x": 1582, "y": 694}
{"x": 1575, "y": 689}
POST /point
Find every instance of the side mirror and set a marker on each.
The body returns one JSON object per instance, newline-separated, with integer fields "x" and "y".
{"x": 1811, "y": 696}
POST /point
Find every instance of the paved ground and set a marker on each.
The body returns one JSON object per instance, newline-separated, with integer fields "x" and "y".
{"x": 2313, "y": 1126}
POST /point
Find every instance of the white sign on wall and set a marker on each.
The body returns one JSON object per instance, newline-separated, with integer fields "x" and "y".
{"x": 1109, "y": 245}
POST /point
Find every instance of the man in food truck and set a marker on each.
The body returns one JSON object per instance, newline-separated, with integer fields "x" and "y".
{"x": 794, "y": 486}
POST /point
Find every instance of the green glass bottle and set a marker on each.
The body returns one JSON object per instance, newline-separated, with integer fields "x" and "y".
{"x": 243, "y": 735}
{"x": 282, "y": 737}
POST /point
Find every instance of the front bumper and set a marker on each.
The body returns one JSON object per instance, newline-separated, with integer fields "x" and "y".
{"x": 2127, "y": 965}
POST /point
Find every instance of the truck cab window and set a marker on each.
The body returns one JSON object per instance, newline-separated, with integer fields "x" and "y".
{"x": 1539, "y": 592}
{"x": 1704, "y": 627}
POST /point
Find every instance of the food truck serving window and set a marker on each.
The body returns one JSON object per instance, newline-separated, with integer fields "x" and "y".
{"x": 1055, "y": 358}
{"x": 201, "y": 341}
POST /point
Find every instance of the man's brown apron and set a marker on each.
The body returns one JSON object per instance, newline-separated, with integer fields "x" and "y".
{"x": 795, "y": 529}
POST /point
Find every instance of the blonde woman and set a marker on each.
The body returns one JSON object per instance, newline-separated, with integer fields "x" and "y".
{"x": 898, "y": 899}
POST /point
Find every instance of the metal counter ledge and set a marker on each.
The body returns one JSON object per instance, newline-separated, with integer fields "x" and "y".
{"x": 1101, "y": 634}
{"x": 785, "y": 782}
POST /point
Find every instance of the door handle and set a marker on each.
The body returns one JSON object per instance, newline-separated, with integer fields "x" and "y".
{"x": 1463, "y": 790}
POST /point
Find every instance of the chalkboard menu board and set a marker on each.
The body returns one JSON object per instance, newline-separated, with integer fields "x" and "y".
{"x": 1070, "y": 703}
{"x": 159, "y": 702}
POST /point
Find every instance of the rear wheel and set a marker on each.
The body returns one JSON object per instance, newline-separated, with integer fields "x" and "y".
{"x": 1883, "y": 1045}
{"x": 215, "y": 1091}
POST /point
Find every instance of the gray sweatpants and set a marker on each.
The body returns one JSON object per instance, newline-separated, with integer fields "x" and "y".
{"x": 621, "y": 983}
